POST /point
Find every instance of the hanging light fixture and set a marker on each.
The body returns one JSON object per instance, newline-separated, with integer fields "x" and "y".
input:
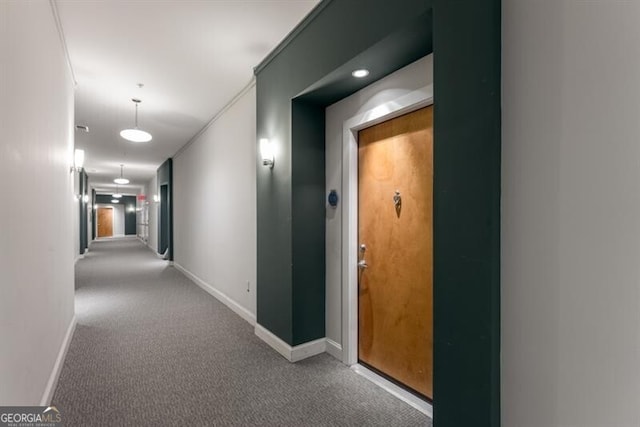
{"x": 135, "y": 134}
{"x": 117, "y": 194}
{"x": 122, "y": 180}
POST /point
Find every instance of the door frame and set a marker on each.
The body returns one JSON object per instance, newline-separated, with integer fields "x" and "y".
{"x": 407, "y": 103}
{"x": 95, "y": 225}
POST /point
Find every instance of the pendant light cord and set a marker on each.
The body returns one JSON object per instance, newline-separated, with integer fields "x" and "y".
{"x": 136, "y": 115}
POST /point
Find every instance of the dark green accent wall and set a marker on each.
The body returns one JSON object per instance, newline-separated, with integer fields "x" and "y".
{"x": 314, "y": 66}
{"x": 310, "y": 71}
{"x": 82, "y": 214}
{"x": 165, "y": 220}
{"x": 93, "y": 215}
{"x": 104, "y": 199}
{"x": 467, "y": 213}
{"x": 308, "y": 223}
{"x": 129, "y": 203}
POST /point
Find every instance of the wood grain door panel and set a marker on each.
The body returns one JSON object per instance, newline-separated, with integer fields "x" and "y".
{"x": 105, "y": 222}
{"x": 395, "y": 304}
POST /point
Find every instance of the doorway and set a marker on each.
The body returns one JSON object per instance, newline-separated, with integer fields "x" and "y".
{"x": 388, "y": 108}
{"x": 395, "y": 233}
{"x": 105, "y": 222}
{"x": 163, "y": 238}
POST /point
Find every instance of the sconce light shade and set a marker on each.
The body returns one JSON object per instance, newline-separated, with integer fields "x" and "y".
{"x": 266, "y": 151}
{"x": 78, "y": 159}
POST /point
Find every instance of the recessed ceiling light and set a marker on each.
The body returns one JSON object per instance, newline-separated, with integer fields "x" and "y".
{"x": 363, "y": 72}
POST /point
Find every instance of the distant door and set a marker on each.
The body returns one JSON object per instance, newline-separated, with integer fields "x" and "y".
{"x": 105, "y": 222}
{"x": 395, "y": 231}
{"x": 163, "y": 235}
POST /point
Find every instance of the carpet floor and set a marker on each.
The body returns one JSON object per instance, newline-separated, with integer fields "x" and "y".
{"x": 152, "y": 348}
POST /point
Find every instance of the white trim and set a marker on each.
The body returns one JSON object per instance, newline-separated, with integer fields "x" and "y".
{"x": 215, "y": 118}
{"x": 334, "y": 349}
{"x": 220, "y": 296}
{"x": 308, "y": 349}
{"x": 63, "y": 40}
{"x": 292, "y": 354}
{"x": 276, "y": 343}
{"x": 57, "y": 367}
{"x": 383, "y": 112}
{"x": 80, "y": 256}
{"x": 402, "y": 394}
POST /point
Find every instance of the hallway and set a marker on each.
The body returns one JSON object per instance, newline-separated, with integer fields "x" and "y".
{"x": 152, "y": 348}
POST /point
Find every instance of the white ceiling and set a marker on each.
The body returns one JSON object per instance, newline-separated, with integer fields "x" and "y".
{"x": 193, "y": 57}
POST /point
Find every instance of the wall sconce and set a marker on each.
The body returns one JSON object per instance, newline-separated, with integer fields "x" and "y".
{"x": 267, "y": 152}
{"x": 78, "y": 160}
{"x": 85, "y": 198}
{"x": 156, "y": 198}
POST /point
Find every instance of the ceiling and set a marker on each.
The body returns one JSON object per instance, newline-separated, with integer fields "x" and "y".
{"x": 193, "y": 57}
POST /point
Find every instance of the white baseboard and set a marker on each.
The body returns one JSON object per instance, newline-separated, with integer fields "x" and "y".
{"x": 220, "y": 296}
{"x": 292, "y": 354}
{"x": 57, "y": 367}
{"x": 334, "y": 349}
{"x": 276, "y": 343}
{"x": 308, "y": 349}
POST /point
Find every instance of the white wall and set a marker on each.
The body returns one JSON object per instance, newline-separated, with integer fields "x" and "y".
{"x": 118, "y": 220}
{"x": 402, "y": 82}
{"x": 571, "y": 214}
{"x": 37, "y": 242}
{"x": 214, "y": 207}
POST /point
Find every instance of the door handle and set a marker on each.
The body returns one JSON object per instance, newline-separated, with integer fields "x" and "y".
{"x": 362, "y": 264}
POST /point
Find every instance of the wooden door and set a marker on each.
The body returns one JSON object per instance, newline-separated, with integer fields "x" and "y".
{"x": 105, "y": 222}
{"x": 395, "y": 232}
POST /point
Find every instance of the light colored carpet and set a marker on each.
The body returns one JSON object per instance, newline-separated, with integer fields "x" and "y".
{"x": 152, "y": 348}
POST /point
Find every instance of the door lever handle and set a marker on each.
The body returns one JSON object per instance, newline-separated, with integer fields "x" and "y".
{"x": 362, "y": 264}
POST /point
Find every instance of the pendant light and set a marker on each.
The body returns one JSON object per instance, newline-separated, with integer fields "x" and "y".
{"x": 135, "y": 134}
{"x": 122, "y": 180}
{"x": 117, "y": 194}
